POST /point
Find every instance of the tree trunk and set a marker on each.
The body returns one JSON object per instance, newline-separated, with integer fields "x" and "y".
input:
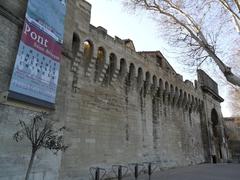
{"x": 30, "y": 164}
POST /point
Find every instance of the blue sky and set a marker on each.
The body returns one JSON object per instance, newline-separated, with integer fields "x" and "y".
{"x": 140, "y": 28}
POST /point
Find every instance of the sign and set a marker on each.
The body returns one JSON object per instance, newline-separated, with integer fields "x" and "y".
{"x": 37, "y": 65}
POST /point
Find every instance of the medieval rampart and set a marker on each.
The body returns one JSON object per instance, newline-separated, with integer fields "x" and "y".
{"x": 120, "y": 106}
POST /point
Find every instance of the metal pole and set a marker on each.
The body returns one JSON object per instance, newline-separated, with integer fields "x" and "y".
{"x": 120, "y": 173}
{"x": 149, "y": 170}
{"x": 136, "y": 171}
{"x": 97, "y": 174}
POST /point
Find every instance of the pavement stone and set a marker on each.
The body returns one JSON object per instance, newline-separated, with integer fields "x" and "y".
{"x": 198, "y": 172}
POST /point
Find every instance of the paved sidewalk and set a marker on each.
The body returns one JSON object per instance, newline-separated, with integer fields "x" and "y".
{"x": 198, "y": 172}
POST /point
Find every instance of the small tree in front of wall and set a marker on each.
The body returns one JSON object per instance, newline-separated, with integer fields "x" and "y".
{"x": 40, "y": 132}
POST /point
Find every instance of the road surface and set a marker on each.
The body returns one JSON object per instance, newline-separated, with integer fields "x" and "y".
{"x": 198, "y": 172}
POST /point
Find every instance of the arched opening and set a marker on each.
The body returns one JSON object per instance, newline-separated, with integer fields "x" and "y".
{"x": 99, "y": 62}
{"x": 180, "y": 94}
{"x": 166, "y": 87}
{"x": 154, "y": 85}
{"x": 112, "y": 67}
{"x": 167, "y": 95}
{"x": 75, "y": 44}
{"x": 176, "y": 95}
{"x": 171, "y": 93}
{"x": 161, "y": 84}
{"x": 139, "y": 78}
{"x": 132, "y": 74}
{"x": 196, "y": 103}
{"x": 188, "y": 101}
{"x": 160, "y": 88}
{"x": 123, "y": 68}
{"x": 87, "y": 53}
{"x": 176, "y": 91}
{"x": 147, "y": 82}
{"x": 216, "y": 136}
{"x": 184, "y": 99}
{"x": 148, "y": 77}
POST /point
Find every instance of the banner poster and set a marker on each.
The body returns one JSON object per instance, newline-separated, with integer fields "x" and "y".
{"x": 36, "y": 70}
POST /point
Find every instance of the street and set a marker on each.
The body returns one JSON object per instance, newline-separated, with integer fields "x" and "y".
{"x": 198, "y": 172}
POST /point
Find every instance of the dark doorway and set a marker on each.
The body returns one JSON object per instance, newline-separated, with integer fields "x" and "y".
{"x": 216, "y": 136}
{"x": 214, "y": 159}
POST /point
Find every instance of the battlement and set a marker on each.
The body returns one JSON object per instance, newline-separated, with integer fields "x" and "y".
{"x": 151, "y": 64}
{"x": 145, "y": 61}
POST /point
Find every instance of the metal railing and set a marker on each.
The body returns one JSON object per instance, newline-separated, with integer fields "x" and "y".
{"x": 136, "y": 169}
{"x": 97, "y": 173}
{"x": 119, "y": 171}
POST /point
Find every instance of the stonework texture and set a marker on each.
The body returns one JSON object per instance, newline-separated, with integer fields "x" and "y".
{"x": 120, "y": 106}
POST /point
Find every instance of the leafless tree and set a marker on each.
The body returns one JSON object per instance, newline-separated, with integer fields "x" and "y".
{"x": 233, "y": 8}
{"x": 235, "y": 101}
{"x": 234, "y": 91}
{"x": 40, "y": 132}
{"x": 198, "y": 27}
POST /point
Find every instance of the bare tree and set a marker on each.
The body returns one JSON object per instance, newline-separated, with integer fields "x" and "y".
{"x": 196, "y": 27}
{"x": 233, "y": 8}
{"x": 41, "y": 134}
{"x": 235, "y": 101}
{"x": 234, "y": 91}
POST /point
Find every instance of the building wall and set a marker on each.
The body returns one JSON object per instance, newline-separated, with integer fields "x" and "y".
{"x": 232, "y": 132}
{"x": 116, "y": 116}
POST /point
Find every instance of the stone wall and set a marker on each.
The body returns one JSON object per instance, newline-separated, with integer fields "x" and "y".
{"x": 125, "y": 109}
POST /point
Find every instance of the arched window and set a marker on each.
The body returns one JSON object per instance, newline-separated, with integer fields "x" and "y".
{"x": 160, "y": 84}
{"x": 147, "y": 81}
{"x": 140, "y": 77}
{"x": 87, "y": 53}
{"x": 99, "y": 62}
{"x": 100, "y": 55}
{"x": 166, "y": 87}
{"x": 180, "y": 93}
{"x": 111, "y": 68}
{"x": 184, "y": 99}
{"x": 132, "y": 74}
{"x": 172, "y": 90}
{"x": 196, "y": 103}
{"x": 154, "y": 78}
{"x": 123, "y": 68}
{"x": 166, "y": 92}
{"x": 176, "y": 95}
{"x": 192, "y": 102}
{"x": 113, "y": 63}
{"x": 189, "y": 100}
{"x": 75, "y": 44}
{"x": 180, "y": 98}
{"x": 148, "y": 77}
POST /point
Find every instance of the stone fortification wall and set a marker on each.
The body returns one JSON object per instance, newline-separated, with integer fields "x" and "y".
{"x": 120, "y": 106}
